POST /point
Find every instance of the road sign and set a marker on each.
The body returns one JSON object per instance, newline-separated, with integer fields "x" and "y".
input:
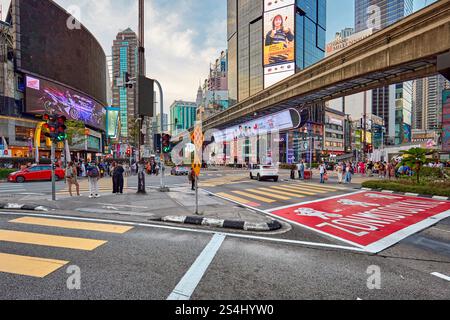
{"x": 197, "y": 168}
{"x": 197, "y": 139}
{"x": 370, "y": 220}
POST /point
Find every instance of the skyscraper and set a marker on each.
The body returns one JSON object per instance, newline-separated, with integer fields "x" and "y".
{"x": 379, "y": 14}
{"x": 394, "y": 103}
{"x": 125, "y": 59}
{"x": 258, "y": 57}
{"x": 427, "y": 102}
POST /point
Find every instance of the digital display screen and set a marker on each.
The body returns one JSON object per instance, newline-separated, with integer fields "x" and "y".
{"x": 46, "y": 97}
{"x": 279, "y": 37}
{"x": 112, "y": 122}
{"x": 53, "y": 47}
{"x": 446, "y": 120}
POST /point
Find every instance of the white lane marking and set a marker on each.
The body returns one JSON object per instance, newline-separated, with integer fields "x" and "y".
{"x": 122, "y": 205}
{"x": 440, "y": 275}
{"x": 440, "y": 198}
{"x": 154, "y": 226}
{"x": 190, "y": 281}
{"x": 441, "y": 230}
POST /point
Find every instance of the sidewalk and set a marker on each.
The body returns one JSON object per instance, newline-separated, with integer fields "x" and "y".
{"x": 155, "y": 206}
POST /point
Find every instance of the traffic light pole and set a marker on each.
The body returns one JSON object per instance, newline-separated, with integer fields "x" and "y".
{"x": 163, "y": 187}
{"x": 53, "y": 171}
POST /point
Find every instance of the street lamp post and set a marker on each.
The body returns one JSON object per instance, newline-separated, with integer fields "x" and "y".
{"x": 163, "y": 187}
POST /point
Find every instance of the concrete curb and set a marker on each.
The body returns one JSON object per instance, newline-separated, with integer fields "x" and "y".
{"x": 408, "y": 194}
{"x": 227, "y": 224}
{"x": 27, "y": 207}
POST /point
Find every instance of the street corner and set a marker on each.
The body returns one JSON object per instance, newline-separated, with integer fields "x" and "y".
{"x": 370, "y": 220}
{"x": 273, "y": 225}
{"x": 24, "y": 207}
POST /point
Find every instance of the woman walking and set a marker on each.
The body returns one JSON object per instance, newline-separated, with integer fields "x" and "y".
{"x": 71, "y": 178}
{"x": 340, "y": 173}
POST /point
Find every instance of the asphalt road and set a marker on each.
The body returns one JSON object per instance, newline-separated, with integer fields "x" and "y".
{"x": 149, "y": 263}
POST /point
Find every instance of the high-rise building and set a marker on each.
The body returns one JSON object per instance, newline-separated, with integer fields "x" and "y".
{"x": 271, "y": 40}
{"x": 379, "y": 14}
{"x": 394, "y": 103}
{"x": 427, "y": 102}
{"x": 183, "y": 115}
{"x": 125, "y": 60}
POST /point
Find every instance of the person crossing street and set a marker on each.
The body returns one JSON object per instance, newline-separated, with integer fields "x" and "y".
{"x": 93, "y": 173}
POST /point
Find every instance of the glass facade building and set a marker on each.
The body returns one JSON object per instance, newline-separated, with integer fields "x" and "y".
{"x": 124, "y": 59}
{"x": 394, "y": 103}
{"x": 380, "y": 13}
{"x": 246, "y": 42}
{"x": 182, "y": 116}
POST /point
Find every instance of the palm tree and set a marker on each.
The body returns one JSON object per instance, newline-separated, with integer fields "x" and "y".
{"x": 416, "y": 158}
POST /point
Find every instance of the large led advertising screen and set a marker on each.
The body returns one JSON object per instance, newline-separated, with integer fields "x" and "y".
{"x": 446, "y": 121}
{"x": 52, "y": 46}
{"x": 47, "y": 97}
{"x": 279, "y": 39}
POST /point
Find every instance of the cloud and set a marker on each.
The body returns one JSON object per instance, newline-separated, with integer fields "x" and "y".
{"x": 182, "y": 37}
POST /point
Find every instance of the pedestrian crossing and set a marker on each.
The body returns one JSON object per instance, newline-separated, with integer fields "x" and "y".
{"x": 255, "y": 197}
{"x": 38, "y": 267}
{"x": 104, "y": 185}
{"x": 11, "y": 188}
{"x": 225, "y": 180}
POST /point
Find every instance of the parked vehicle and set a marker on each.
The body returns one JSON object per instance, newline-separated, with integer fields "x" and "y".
{"x": 180, "y": 171}
{"x": 36, "y": 173}
{"x": 264, "y": 172}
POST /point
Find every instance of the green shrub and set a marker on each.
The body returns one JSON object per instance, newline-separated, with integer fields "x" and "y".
{"x": 5, "y": 172}
{"x": 436, "y": 189}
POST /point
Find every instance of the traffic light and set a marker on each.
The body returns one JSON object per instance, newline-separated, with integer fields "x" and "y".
{"x": 129, "y": 152}
{"x": 157, "y": 142}
{"x": 166, "y": 144}
{"x": 51, "y": 126}
{"x": 61, "y": 129}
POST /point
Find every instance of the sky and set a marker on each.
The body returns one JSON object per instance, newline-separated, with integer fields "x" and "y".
{"x": 182, "y": 36}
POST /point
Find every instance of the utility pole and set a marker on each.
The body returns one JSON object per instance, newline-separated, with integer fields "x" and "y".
{"x": 141, "y": 71}
{"x": 365, "y": 126}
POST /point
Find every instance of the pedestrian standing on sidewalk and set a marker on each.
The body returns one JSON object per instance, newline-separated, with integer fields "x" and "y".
{"x": 111, "y": 173}
{"x": 71, "y": 178}
{"x": 322, "y": 171}
{"x": 93, "y": 173}
{"x": 118, "y": 177}
{"x": 340, "y": 173}
{"x": 301, "y": 170}
{"x": 192, "y": 178}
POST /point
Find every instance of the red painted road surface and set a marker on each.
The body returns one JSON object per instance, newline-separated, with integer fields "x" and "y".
{"x": 370, "y": 220}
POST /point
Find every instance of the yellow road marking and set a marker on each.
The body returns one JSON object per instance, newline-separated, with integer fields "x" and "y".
{"x": 295, "y": 190}
{"x": 108, "y": 228}
{"x": 234, "y": 198}
{"x": 314, "y": 186}
{"x": 246, "y": 194}
{"x": 50, "y": 240}
{"x": 29, "y": 266}
{"x": 308, "y": 188}
{"x": 272, "y": 195}
{"x": 285, "y": 193}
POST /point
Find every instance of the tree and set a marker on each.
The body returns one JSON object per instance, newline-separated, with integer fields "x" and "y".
{"x": 75, "y": 132}
{"x": 416, "y": 158}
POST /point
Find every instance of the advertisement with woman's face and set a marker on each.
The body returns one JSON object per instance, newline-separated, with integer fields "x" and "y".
{"x": 279, "y": 37}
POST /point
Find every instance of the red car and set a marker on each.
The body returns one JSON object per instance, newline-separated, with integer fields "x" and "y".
{"x": 36, "y": 173}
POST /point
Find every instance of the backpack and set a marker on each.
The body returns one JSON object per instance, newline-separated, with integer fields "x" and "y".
{"x": 93, "y": 172}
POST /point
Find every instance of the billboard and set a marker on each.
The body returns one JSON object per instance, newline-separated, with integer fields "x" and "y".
{"x": 53, "y": 45}
{"x": 279, "y": 121}
{"x": 112, "y": 122}
{"x": 446, "y": 121}
{"x": 270, "y": 5}
{"x": 279, "y": 37}
{"x": 43, "y": 96}
{"x": 279, "y": 41}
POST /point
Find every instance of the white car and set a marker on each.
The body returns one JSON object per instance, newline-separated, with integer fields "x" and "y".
{"x": 264, "y": 172}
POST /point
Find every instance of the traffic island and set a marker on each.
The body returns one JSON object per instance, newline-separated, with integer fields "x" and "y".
{"x": 25, "y": 207}
{"x": 226, "y": 224}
